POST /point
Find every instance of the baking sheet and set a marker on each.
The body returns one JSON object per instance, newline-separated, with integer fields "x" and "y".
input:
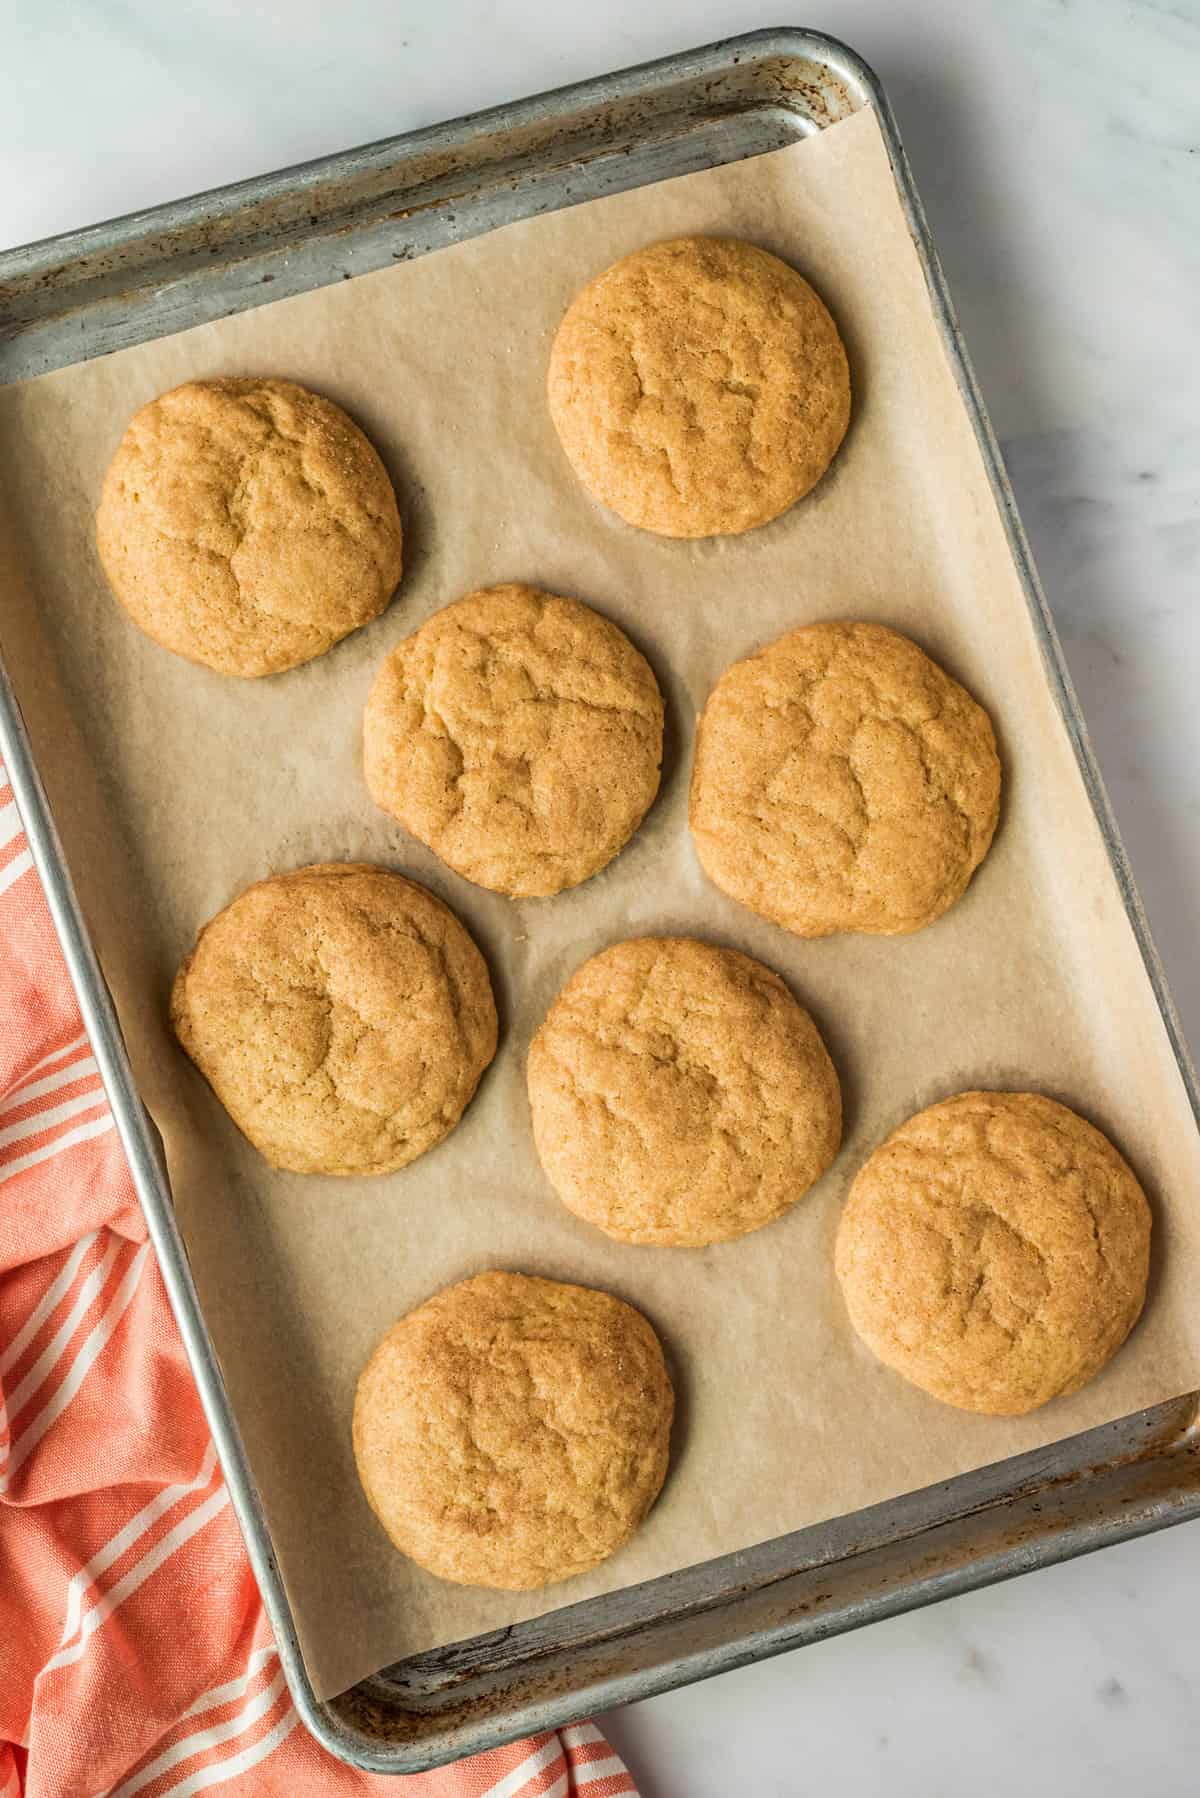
{"x": 174, "y": 788}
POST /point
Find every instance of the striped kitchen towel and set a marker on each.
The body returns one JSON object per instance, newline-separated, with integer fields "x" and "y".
{"x": 134, "y": 1654}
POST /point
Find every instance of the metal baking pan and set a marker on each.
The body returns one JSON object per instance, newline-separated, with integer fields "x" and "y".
{"x": 158, "y": 272}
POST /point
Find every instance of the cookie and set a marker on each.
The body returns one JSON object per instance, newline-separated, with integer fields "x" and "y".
{"x": 843, "y": 781}
{"x": 248, "y": 525}
{"x": 699, "y": 387}
{"x": 994, "y": 1250}
{"x": 680, "y": 1094}
{"x": 519, "y": 736}
{"x": 511, "y": 1432}
{"x": 341, "y": 1014}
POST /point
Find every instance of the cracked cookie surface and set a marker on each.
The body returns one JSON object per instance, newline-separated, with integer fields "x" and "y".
{"x": 341, "y": 1014}
{"x": 699, "y": 387}
{"x": 843, "y": 781}
{"x": 519, "y": 736}
{"x": 511, "y": 1432}
{"x": 995, "y": 1250}
{"x": 680, "y": 1095}
{"x": 248, "y": 525}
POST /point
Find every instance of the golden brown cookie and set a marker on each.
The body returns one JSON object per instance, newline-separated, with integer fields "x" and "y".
{"x": 699, "y": 387}
{"x": 519, "y": 736}
{"x": 994, "y": 1250}
{"x": 511, "y": 1432}
{"x": 843, "y": 781}
{"x": 341, "y": 1014}
{"x": 680, "y": 1095}
{"x": 248, "y": 525}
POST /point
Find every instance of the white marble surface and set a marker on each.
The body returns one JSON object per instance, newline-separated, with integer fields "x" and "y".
{"x": 1057, "y": 144}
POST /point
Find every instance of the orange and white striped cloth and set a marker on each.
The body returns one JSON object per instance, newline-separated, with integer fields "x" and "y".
{"x": 135, "y": 1657}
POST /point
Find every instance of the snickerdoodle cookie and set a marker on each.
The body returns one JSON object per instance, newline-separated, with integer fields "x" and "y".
{"x": 699, "y": 387}
{"x": 511, "y": 1432}
{"x": 519, "y": 735}
{"x": 994, "y": 1250}
{"x": 843, "y": 781}
{"x": 341, "y": 1014}
{"x": 248, "y": 525}
{"x": 680, "y": 1094}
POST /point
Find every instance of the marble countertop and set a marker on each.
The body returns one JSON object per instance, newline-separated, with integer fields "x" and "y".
{"x": 1057, "y": 147}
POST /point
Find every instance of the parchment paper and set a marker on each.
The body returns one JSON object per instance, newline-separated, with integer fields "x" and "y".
{"x": 181, "y": 787}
